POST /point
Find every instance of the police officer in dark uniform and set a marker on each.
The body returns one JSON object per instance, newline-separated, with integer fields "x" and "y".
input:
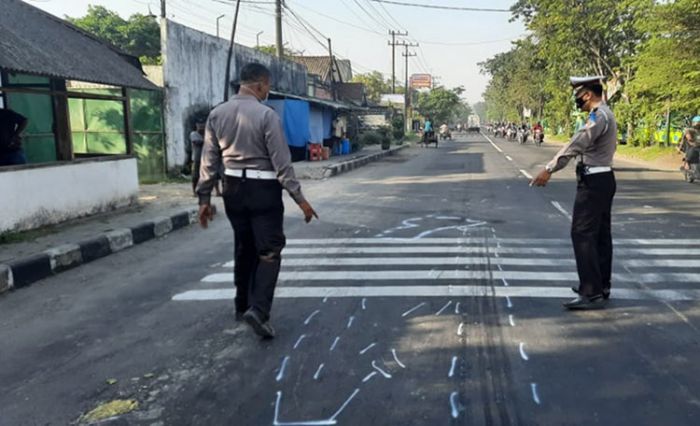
{"x": 595, "y": 146}
{"x": 246, "y": 137}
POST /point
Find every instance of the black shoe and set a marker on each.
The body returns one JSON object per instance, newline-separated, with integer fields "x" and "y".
{"x": 586, "y": 302}
{"x": 606, "y": 292}
{"x": 262, "y": 329}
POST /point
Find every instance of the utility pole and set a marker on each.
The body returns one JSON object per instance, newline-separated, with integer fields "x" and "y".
{"x": 278, "y": 28}
{"x": 162, "y": 8}
{"x": 217, "y": 24}
{"x": 392, "y": 43}
{"x": 331, "y": 69}
{"x": 229, "y": 56}
{"x": 257, "y": 38}
{"x": 407, "y": 90}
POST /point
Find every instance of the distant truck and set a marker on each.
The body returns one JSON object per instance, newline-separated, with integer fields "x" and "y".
{"x": 473, "y": 123}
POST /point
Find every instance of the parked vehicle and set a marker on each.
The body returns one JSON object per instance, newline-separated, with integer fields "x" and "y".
{"x": 523, "y": 136}
{"x": 538, "y": 137}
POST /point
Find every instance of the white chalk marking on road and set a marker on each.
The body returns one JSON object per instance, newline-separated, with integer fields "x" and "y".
{"x": 453, "y": 405}
{"x": 370, "y": 346}
{"x": 345, "y": 404}
{"x": 313, "y": 314}
{"x": 523, "y": 355}
{"x": 350, "y": 321}
{"x": 505, "y": 282}
{"x": 364, "y": 303}
{"x": 318, "y": 372}
{"x": 561, "y": 209}
{"x": 286, "y": 292}
{"x": 335, "y": 342}
{"x": 526, "y": 174}
{"x": 508, "y": 302}
{"x": 448, "y": 218}
{"x": 511, "y": 321}
{"x": 535, "y": 395}
{"x": 380, "y": 371}
{"x": 443, "y": 308}
{"x": 413, "y": 309}
{"x": 396, "y": 358}
{"x": 296, "y": 345}
{"x": 280, "y": 374}
{"x": 509, "y": 158}
{"x": 325, "y": 299}
{"x": 462, "y": 228}
{"x": 452, "y": 368}
{"x": 432, "y": 261}
{"x": 276, "y": 422}
{"x": 491, "y": 142}
{"x": 457, "y": 308}
{"x": 369, "y": 376}
{"x": 460, "y": 329}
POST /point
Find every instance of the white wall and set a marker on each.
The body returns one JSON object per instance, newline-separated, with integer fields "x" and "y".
{"x": 194, "y": 70}
{"x": 39, "y": 196}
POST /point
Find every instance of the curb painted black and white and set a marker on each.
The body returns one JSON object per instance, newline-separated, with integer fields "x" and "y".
{"x": 346, "y": 166}
{"x": 22, "y": 272}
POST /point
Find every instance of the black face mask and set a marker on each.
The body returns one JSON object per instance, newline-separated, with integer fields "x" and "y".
{"x": 580, "y": 103}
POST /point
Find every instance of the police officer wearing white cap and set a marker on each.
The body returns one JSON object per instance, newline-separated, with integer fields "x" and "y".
{"x": 595, "y": 145}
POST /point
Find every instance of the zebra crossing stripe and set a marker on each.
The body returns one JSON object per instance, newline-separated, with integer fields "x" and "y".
{"x": 431, "y": 275}
{"x": 468, "y": 241}
{"x": 439, "y": 291}
{"x": 478, "y": 250}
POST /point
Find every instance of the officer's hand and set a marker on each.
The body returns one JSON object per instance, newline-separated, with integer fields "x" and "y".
{"x": 206, "y": 214}
{"x": 541, "y": 179}
{"x": 309, "y": 212}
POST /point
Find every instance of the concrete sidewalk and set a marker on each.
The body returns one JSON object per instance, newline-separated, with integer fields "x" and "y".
{"x": 342, "y": 163}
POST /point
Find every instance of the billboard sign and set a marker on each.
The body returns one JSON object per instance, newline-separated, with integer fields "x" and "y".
{"x": 421, "y": 81}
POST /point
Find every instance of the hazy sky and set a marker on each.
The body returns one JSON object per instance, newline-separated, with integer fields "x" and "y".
{"x": 451, "y": 42}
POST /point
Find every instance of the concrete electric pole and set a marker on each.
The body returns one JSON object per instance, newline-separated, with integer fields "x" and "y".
{"x": 407, "y": 89}
{"x": 278, "y": 28}
{"x": 218, "y": 18}
{"x": 393, "y": 44}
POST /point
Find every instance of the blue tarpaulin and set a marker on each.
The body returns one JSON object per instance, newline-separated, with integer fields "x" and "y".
{"x": 295, "y": 117}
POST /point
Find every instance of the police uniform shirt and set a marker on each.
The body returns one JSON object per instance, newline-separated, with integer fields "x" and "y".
{"x": 243, "y": 133}
{"x": 596, "y": 142}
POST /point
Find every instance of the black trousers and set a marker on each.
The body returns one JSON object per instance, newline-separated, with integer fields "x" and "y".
{"x": 256, "y": 212}
{"x": 591, "y": 233}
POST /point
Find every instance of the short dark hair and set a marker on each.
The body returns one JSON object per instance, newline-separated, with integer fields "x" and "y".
{"x": 254, "y": 73}
{"x": 596, "y": 88}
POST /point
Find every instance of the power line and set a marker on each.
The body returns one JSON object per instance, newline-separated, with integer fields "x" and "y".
{"x": 435, "y": 6}
{"x": 372, "y": 17}
{"x": 342, "y": 22}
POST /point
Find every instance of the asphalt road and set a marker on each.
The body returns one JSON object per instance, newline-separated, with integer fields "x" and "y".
{"x": 429, "y": 293}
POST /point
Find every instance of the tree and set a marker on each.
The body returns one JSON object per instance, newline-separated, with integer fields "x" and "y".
{"x": 375, "y": 85}
{"x": 441, "y": 104}
{"x": 139, "y": 35}
{"x": 271, "y": 49}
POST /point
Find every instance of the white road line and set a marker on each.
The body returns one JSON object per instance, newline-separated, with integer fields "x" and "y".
{"x": 460, "y": 329}
{"x": 509, "y": 304}
{"x": 526, "y": 174}
{"x": 561, "y": 209}
{"x": 350, "y": 321}
{"x": 511, "y": 321}
{"x": 335, "y": 343}
{"x": 285, "y": 292}
{"x": 310, "y": 317}
{"x": 423, "y": 275}
{"x": 327, "y": 251}
{"x": 460, "y": 240}
{"x": 457, "y": 309}
{"x": 428, "y": 261}
{"x": 380, "y": 371}
{"x": 369, "y": 376}
{"x": 509, "y": 158}
{"x": 662, "y": 263}
{"x": 296, "y": 345}
{"x": 493, "y": 144}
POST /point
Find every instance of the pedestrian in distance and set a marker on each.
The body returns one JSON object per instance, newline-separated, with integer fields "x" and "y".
{"x": 595, "y": 145}
{"x": 12, "y": 124}
{"x": 246, "y": 136}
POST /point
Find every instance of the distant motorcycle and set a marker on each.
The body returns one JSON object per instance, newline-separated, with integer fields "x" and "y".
{"x": 510, "y": 134}
{"x": 523, "y": 136}
{"x": 539, "y": 137}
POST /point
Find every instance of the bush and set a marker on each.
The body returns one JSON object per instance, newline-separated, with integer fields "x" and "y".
{"x": 369, "y": 138}
{"x": 397, "y": 125}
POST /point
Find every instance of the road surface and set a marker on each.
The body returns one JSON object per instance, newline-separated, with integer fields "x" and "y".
{"x": 429, "y": 293}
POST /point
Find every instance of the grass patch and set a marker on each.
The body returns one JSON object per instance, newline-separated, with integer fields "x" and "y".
{"x": 556, "y": 138}
{"x": 411, "y": 137}
{"x": 22, "y": 236}
{"x": 646, "y": 153}
{"x": 167, "y": 179}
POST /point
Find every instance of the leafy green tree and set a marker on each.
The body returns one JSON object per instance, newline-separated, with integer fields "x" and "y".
{"x": 139, "y": 35}
{"x": 375, "y": 85}
{"x": 441, "y": 104}
{"x": 271, "y": 49}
